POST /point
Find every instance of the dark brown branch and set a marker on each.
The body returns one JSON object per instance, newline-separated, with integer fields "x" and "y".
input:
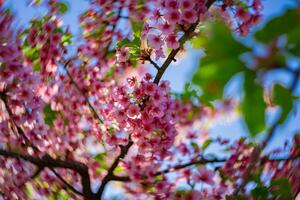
{"x": 173, "y": 53}
{"x": 203, "y": 161}
{"x": 196, "y": 162}
{"x": 19, "y": 130}
{"x": 85, "y": 179}
{"x": 110, "y": 173}
{"x": 174, "y": 168}
{"x": 153, "y": 63}
{"x": 187, "y": 35}
{"x": 48, "y": 161}
{"x": 36, "y": 173}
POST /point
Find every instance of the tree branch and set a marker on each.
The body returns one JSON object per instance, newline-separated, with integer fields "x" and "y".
{"x": 187, "y": 35}
{"x": 202, "y": 161}
{"x": 110, "y": 173}
{"x": 48, "y": 161}
{"x": 65, "y": 182}
{"x": 173, "y": 53}
{"x": 153, "y": 63}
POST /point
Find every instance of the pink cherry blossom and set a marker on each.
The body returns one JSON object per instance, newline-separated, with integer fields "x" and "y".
{"x": 172, "y": 42}
{"x": 171, "y": 4}
{"x": 186, "y": 4}
{"x": 122, "y": 54}
{"x": 166, "y": 28}
{"x": 172, "y": 16}
{"x": 205, "y": 175}
{"x": 132, "y": 110}
{"x": 155, "y": 41}
{"x": 189, "y": 16}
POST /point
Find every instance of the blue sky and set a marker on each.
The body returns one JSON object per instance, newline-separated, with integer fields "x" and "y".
{"x": 180, "y": 72}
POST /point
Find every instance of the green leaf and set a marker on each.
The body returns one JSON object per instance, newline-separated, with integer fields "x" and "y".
{"x": 118, "y": 170}
{"x": 283, "y": 98}
{"x": 62, "y": 7}
{"x": 137, "y": 27}
{"x": 23, "y": 33}
{"x": 49, "y": 115}
{"x": 95, "y": 34}
{"x": 101, "y": 159}
{"x": 295, "y": 50}
{"x": 279, "y": 26}
{"x": 236, "y": 197}
{"x": 221, "y": 62}
{"x": 294, "y": 41}
{"x": 31, "y": 53}
{"x": 36, "y": 65}
{"x": 188, "y": 93}
{"x": 206, "y": 144}
{"x": 293, "y": 35}
{"x": 220, "y": 45}
{"x": 66, "y": 39}
{"x": 134, "y": 48}
{"x": 213, "y": 77}
{"x": 111, "y": 130}
{"x": 281, "y": 187}
{"x": 37, "y": 1}
{"x": 260, "y": 192}
{"x": 195, "y": 146}
{"x": 135, "y": 43}
{"x": 63, "y": 195}
{"x": 253, "y": 105}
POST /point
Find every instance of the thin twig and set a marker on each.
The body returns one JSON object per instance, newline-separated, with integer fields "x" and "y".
{"x": 174, "y": 52}
{"x": 65, "y": 182}
{"x": 48, "y": 161}
{"x": 201, "y": 162}
{"x": 171, "y": 57}
{"x": 110, "y": 174}
{"x": 153, "y": 63}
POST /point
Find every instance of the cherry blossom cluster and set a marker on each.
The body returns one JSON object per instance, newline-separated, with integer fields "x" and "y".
{"x": 162, "y": 27}
{"x": 47, "y": 39}
{"x": 22, "y": 123}
{"x": 236, "y": 164}
{"x": 99, "y": 28}
{"x": 145, "y": 114}
{"x": 248, "y": 17}
{"x": 205, "y": 181}
{"x": 20, "y": 106}
{"x": 14, "y": 175}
